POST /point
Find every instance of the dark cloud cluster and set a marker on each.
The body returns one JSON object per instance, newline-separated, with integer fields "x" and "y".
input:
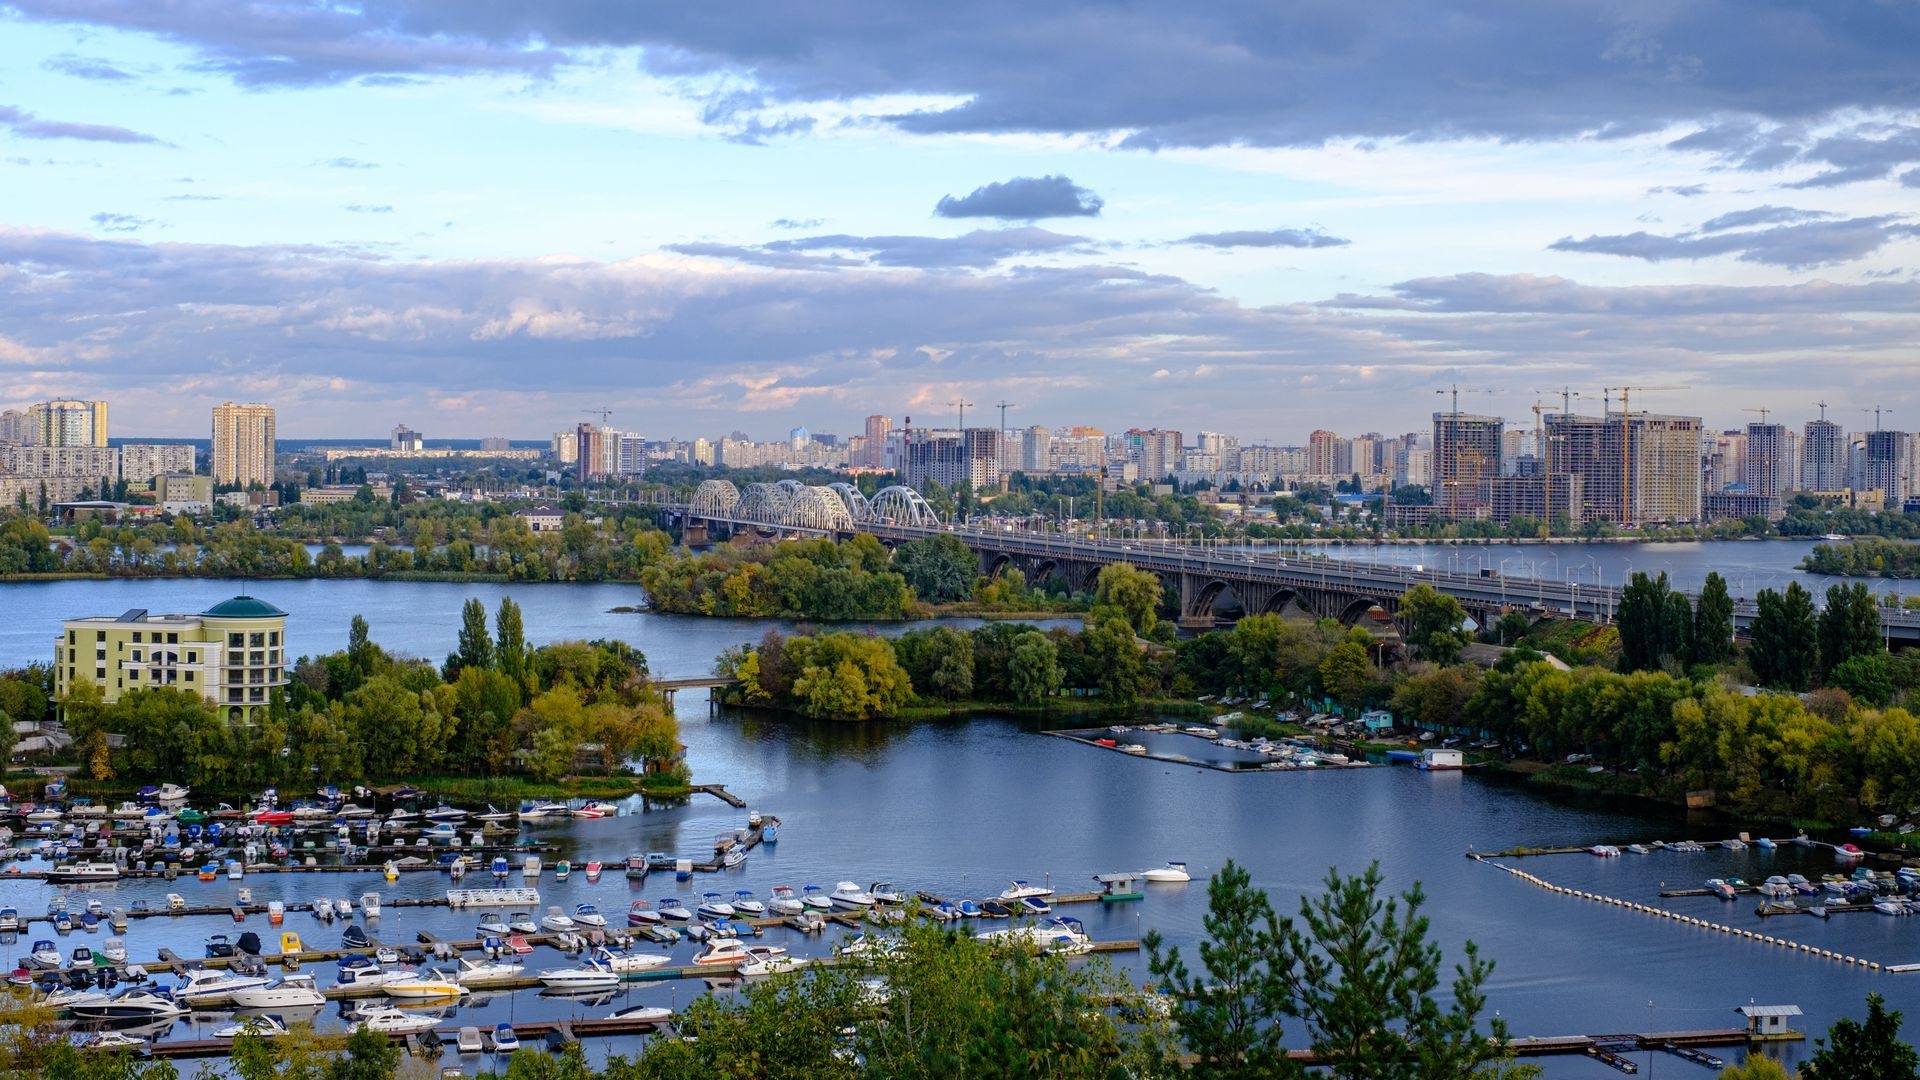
{"x": 1861, "y": 151}
{"x": 1023, "y": 198}
{"x": 694, "y": 345}
{"x": 28, "y": 126}
{"x": 1267, "y": 238}
{"x": 1236, "y": 72}
{"x": 1795, "y": 239}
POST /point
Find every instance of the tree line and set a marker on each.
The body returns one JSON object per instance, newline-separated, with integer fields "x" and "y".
{"x": 1866, "y": 557}
{"x": 496, "y": 707}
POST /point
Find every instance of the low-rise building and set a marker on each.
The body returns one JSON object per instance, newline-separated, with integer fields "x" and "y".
{"x": 234, "y": 654}
{"x": 541, "y": 518}
{"x": 179, "y": 493}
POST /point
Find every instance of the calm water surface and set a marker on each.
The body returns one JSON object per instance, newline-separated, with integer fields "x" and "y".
{"x": 961, "y": 808}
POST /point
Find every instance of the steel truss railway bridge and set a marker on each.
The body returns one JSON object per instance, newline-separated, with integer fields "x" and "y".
{"x": 1202, "y": 577}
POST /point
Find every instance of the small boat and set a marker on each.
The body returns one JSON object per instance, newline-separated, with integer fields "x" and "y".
{"x": 469, "y": 1041}
{"x": 767, "y": 960}
{"x": 355, "y": 938}
{"x": 494, "y": 814}
{"x": 276, "y": 911}
{"x": 1173, "y": 872}
{"x": 883, "y": 892}
{"x": 744, "y": 904}
{"x": 1892, "y": 906}
{"x": 522, "y": 922}
{"x": 391, "y": 1021}
{"x": 44, "y": 954}
{"x": 84, "y": 871}
{"x": 813, "y": 898}
{"x": 628, "y": 963}
{"x": 431, "y": 985}
{"x": 492, "y": 923}
{"x": 594, "y": 868}
{"x": 530, "y": 867}
{"x": 562, "y": 870}
{"x": 714, "y": 908}
{"x": 538, "y": 810}
{"x": 721, "y": 952}
{"x": 490, "y": 973}
{"x": 1020, "y": 889}
{"x": 785, "y": 901}
{"x": 1848, "y": 853}
{"x": 219, "y": 947}
{"x": 268, "y": 1026}
{"x": 370, "y": 905}
{"x": 1720, "y": 888}
{"x": 1638, "y": 849}
{"x": 1766, "y": 843}
{"x": 504, "y": 1039}
{"x": 115, "y": 950}
{"x": 323, "y": 909}
{"x": 588, "y": 916}
{"x": 9, "y": 920}
{"x": 557, "y": 921}
{"x": 500, "y": 867}
{"x": 592, "y": 976}
{"x": 851, "y": 897}
{"x": 113, "y": 1040}
{"x": 1031, "y": 905}
{"x": 82, "y": 958}
{"x": 172, "y": 793}
{"x": 641, "y": 913}
{"x": 637, "y": 867}
{"x": 1860, "y": 830}
{"x": 672, "y": 910}
{"x": 654, "y": 1014}
{"x": 969, "y": 909}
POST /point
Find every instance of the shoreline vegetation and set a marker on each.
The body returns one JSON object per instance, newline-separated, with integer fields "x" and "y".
{"x": 1873, "y": 557}
{"x": 498, "y": 720}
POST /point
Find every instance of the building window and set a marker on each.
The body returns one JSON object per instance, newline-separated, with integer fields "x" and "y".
{"x": 133, "y": 675}
{"x": 71, "y": 637}
{"x": 257, "y": 657}
{"x": 236, "y": 640}
{"x": 136, "y": 637}
{"x": 233, "y": 659}
{"x": 193, "y": 658}
{"x": 99, "y": 635}
{"x": 173, "y": 639}
{"x": 100, "y": 674}
{"x": 99, "y": 654}
{"x": 273, "y": 637}
{"x": 256, "y": 640}
{"x": 236, "y": 694}
{"x": 256, "y": 694}
{"x": 171, "y": 674}
{"x": 136, "y": 656}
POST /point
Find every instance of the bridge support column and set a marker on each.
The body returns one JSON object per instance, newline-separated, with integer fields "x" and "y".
{"x": 1196, "y": 602}
{"x": 694, "y": 535}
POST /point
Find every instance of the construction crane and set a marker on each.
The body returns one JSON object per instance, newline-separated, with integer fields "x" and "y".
{"x": 1456, "y": 390}
{"x": 604, "y": 415}
{"x": 1823, "y": 411}
{"x": 1626, "y": 442}
{"x": 1567, "y": 394}
{"x": 1002, "y": 441}
{"x": 963, "y": 412}
{"x": 1876, "y": 411}
{"x": 1762, "y": 411}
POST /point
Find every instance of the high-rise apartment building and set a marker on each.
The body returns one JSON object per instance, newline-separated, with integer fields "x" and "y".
{"x": 1640, "y": 468}
{"x": 405, "y": 439}
{"x": 13, "y": 426}
{"x": 65, "y": 423}
{"x": 1884, "y": 465}
{"x": 1036, "y": 450}
{"x": 1322, "y": 449}
{"x": 1156, "y": 452}
{"x": 1765, "y": 473}
{"x": 949, "y": 457}
{"x": 1823, "y": 457}
{"x": 141, "y": 462}
{"x": 877, "y": 428}
{"x": 243, "y": 444}
{"x": 1466, "y": 450}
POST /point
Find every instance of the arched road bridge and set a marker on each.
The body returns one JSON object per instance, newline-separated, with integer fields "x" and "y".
{"x": 1260, "y": 582}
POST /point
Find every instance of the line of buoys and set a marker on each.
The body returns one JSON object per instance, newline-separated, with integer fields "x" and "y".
{"x": 1692, "y": 920}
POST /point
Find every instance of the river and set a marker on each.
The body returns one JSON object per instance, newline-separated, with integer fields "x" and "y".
{"x": 960, "y": 808}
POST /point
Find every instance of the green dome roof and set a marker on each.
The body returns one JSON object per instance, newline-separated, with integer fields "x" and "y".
{"x": 243, "y": 607}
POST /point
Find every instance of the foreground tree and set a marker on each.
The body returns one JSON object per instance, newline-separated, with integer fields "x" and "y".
{"x": 1434, "y": 622}
{"x": 1132, "y": 592}
{"x": 1856, "y": 1050}
{"x": 1849, "y": 627}
{"x": 1357, "y": 969}
{"x": 1711, "y": 641}
{"x": 940, "y": 569}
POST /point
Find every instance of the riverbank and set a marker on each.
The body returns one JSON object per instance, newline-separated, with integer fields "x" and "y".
{"x": 472, "y": 790}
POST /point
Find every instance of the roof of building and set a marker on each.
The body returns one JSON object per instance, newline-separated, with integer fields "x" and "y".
{"x": 538, "y": 511}
{"x": 1769, "y": 1010}
{"x": 243, "y": 607}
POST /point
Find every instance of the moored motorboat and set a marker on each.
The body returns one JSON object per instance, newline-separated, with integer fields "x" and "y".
{"x": 590, "y": 976}
{"x": 287, "y": 992}
{"x": 430, "y": 985}
{"x": 490, "y": 973}
{"x": 589, "y": 916}
{"x": 712, "y": 907}
{"x": 1020, "y": 889}
{"x": 641, "y": 913}
{"x": 504, "y": 1040}
{"x": 851, "y": 897}
{"x": 785, "y": 901}
{"x": 388, "y": 1020}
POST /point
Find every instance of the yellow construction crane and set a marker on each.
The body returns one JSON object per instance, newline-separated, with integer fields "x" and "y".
{"x": 1626, "y": 443}
{"x": 1764, "y": 412}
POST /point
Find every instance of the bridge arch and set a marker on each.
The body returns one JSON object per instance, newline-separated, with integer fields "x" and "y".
{"x": 766, "y": 504}
{"x": 858, "y": 507}
{"x": 902, "y": 505}
{"x": 817, "y": 508}
{"x": 713, "y": 499}
{"x": 1357, "y": 609}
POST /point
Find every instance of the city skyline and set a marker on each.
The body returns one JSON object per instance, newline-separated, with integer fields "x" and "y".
{"x": 483, "y": 226}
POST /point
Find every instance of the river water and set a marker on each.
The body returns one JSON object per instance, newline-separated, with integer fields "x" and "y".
{"x": 961, "y": 808}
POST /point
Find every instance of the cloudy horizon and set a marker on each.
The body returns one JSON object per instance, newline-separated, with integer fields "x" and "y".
{"x": 481, "y": 220}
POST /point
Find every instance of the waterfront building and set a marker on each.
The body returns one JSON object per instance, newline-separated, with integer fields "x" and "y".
{"x": 949, "y": 457}
{"x": 1155, "y": 451}
{"x": 141, "y": 462}
{"x": 243, "y": 444}
{"x": 1884, "y": 465}
{"x": 334, "y": 494}
{"x": 1637, "y": 468}
{"x": 234, "y": 654}
{"x": 1730, "y": 505}
{"x": 542, "y": 518}
{"x": 183, "y": 493}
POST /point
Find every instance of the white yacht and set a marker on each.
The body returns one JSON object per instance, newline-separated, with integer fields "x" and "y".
{"x": 767, "y": 960}
{"x": 136, "y": 1004}
{"x": 722, "y": 951}
{"x": 389, "y": 1020}
{"x": 588, "y": 916}
{"x": 657, "y": 1014}
{"x": 266, "y": 1027}
{"x": 490, "y": 973}
{"x": 785, "y": 901}
{"x": 287, "y": 992}
{"x": 1172, "y": 872}
{"x": 430, "y": 986}
{"x": 557, "y": 921}
{"x": 851, "y": 897}
{"x": 1059, "y": 935}
{"x": 590, "y": 977}
{"x": 626, "y": 963}
{"x": 1020, "y": 890}
{"x": 202, "y": 987}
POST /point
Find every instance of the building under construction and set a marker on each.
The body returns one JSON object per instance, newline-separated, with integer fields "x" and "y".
{"x": 1634, "y": 468}
{"x": 1466, "y": 450}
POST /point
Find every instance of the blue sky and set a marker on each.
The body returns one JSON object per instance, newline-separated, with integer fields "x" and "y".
{"x": 481, "y": 218}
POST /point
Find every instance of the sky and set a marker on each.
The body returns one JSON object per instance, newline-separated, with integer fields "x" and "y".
{"x": 489, "y": 218}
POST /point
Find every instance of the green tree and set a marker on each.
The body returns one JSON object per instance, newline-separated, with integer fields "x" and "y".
{"x": 1512, "y": 627}
{"x": 1756, "y": 1067}
{"x": 1711, "y": 639}
{"x": 1229, "y": 1015}
{"x": 1785, "y": 647}
{"x": 1849, "y": 626}
{"x": 1868, "y": 677}
{"x": 1855, "y": 1050}
{"x": 1434, "y": 621}
{"x": 1654, "y": 623}
{"x": 510, "y": 649}
{"x": 952, "y": 676}
{"x": 1035, "y": 667}
{"x": 1115, "y": 659}
{"x": 363, "y": 656}
{"x": 1346, "y": 672}
{"x": 476, "y": 644}
{"x": 1133, "y": 592}
{"x": 939, "y": 569}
